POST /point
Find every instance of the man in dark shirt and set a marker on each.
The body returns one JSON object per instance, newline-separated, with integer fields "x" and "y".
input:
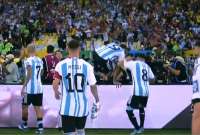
{"x": 50, "y": 61}
{"x": 178, "y": 71}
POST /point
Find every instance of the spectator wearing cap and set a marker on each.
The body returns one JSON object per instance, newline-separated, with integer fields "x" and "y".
{"x": 11, "y": 68}
{"x": 178, "y": 71}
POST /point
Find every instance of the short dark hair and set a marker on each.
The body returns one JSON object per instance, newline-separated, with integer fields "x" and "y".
{"x": 73, "y": 44}
{"x": 31, "y": 48}
{"x": 50, "y": 49}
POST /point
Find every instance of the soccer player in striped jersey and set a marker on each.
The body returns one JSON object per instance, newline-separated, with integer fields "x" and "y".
{"x": 107, "y": 56}
{"x": 141, "y": 75}
{"x": 32, "y": 91}
{"x": 74, "y": 74}
{"x": 196, "y": 95}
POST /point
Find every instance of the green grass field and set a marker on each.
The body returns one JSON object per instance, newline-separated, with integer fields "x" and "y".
{"x": 8, "y": 131}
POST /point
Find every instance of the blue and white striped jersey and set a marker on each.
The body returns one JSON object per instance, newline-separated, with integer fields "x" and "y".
{"x": 75, "y": 73}
{"x": 141, "y": 74}
{"x": 111, "y": 51}
{"x": 196, "y": 80}
{"x": 34, "y": 85}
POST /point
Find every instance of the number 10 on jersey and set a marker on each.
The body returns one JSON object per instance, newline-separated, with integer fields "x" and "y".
{"x": 76, "y": 83}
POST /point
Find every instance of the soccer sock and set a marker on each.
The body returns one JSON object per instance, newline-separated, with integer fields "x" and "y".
{"x": 39, "y": 123}
{"x": 24, "y": 121}
{"x": 142, "y": 117}
{"x": 133, "y": 119}
{"x": 80, "y": 132}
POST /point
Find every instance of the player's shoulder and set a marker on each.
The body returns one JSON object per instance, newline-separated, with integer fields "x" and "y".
{"x": 132, "y": 61}
{"x": 29, "y": 59}
{"x": 85, "y": 62}
{"x": 62, "y": 62}
{"x": 140, "y": 63}
{"x": 38, "y": 58}
{"x": 197, "y": 61}
{"x": 144, "y": 63}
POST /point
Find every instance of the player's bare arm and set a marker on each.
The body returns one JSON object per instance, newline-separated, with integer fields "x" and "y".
{"x": 56, "y": 83}
{"x": 118, "y": 71}
{"x": 96, "y": 104}
{"x": 117, "y": 74}
{"x": 172, "y": 70}
{"x": 27, "y": 79}
{"x": 152, "y": 80}
{"x": 95, "y": 93}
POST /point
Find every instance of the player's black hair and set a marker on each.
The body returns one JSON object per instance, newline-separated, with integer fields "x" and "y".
{"x": 140, "y": 54}
{"x": 123, "y": 46}
{"x": 50, "y": 49}
{"x": 73, "y": 44}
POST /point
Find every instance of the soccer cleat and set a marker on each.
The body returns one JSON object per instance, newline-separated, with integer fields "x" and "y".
{"x": 95, "y": 110}
{"x": 22, "y": 127}
{"x": 39, "y": 131}
{"x": 141, "y": 130}
{"x": 135, "y": 132}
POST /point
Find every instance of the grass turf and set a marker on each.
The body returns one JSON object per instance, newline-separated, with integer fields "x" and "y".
{"x": 8, "y": 131}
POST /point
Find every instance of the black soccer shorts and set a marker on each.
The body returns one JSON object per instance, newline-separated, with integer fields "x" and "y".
{"x": 137, "y": 102}
{"x": 71, "y": 123}
{"x": 34, "y": 99}
{"x": 194, "y": 101}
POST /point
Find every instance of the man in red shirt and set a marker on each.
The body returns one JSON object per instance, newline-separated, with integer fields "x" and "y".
{"x": 50, "y": 61}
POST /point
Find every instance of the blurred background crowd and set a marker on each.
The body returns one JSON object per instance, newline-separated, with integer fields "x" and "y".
{"x": 170, "y": 29}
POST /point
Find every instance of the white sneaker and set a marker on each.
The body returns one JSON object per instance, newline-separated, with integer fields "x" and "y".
{"x": 23, "y": 127}
{"x": 141, "y": 130}
{"x": 39, "y": 131}
{"x": 135, "y": 132}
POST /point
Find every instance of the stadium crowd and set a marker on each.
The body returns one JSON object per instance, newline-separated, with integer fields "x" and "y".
{"x": 167, "y": 28}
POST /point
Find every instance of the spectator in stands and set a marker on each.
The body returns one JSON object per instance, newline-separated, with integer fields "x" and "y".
{"x": 11, "y": 68}
{"x": 50, "y": 61}
{"x": 144, "y": 24}
{"x": 59, "y": 55}
{"x": 62, "y": 40}
{"x": 178, "y": 71}
{"x": 2, "y": 73}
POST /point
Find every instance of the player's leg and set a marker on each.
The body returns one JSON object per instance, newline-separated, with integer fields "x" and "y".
{"x": 131, "y": 116}
{"x": 143, "y": 103}
{"x": 196, "y": 119}
{"x": 25, "y": 104}
{"x": 80, "y": 125}
{"x": 24, "y": 124}
{"x": 142, "y": 117}
{"x": 68, "y": 125}
{"x": 39, "y": 115}
{"x": 37, "y": 103}
{"x": 59, "y": 125}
